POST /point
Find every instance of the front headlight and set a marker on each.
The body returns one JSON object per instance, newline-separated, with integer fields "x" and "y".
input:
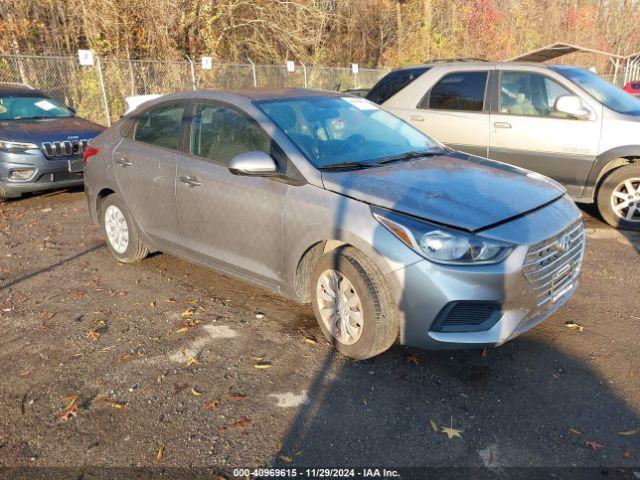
{"x": 440, "y": 244}
{"x": 16, "y": 147}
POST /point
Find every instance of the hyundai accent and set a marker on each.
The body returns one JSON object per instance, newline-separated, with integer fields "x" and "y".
{"x": 329, "y": 199}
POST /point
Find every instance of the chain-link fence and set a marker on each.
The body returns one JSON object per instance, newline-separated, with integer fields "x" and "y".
{"x": 97, "y": 92}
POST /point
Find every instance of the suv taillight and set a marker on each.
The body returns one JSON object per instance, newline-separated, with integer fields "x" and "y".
{"x": 89, "y": 151}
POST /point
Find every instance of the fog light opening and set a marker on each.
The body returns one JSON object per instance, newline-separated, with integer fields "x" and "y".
{"x": 21, "y": 173}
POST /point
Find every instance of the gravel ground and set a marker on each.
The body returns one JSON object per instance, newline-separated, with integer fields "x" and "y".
{"x": 155, "y": 364}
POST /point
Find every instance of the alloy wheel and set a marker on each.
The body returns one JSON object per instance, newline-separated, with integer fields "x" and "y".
{"x": 625, "y": 200}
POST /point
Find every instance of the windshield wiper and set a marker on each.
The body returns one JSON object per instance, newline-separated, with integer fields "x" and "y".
{"x": 346, "y": 165}
{"x": 411, "y": 155}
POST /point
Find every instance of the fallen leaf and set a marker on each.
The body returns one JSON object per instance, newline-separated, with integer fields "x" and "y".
{"x": 573, "y": 325}
{"x": 575, "y": 432}
{"x": 237, "y": 396}
{"x": 211, "y": 405}
{"x": 593, "y": 445}
{"x": 263, "y": 365}
{"x": 71, "y": 400}
{"x": 152, "y": 304}
{"x": 628, "y": 433}
{"x": 122, "y": 358}
{"x": 170, "y": 300}
{"x": 364, "y": 400}
{"x": 69, "y": 413}
{"x": 196, "y": 392}
{"x": 160, "y": 453}
{"x": 451, "y": 432}
{"x": 188, "y": 313}
{"x": 626, "y": 453}
{"x": 24, "y": 373}
{"x": 192, "y": 361}
{"x": 434, "y": 425}
{"x": 93, "y": 335}
{"x": 414, "y": 358}
{"x": 159, "y": 379}
{"x": 243, "y": 422}
{"x": 311, "y": 340}
{"x": 257, "y": 358}
{"x": 286, "y": 458}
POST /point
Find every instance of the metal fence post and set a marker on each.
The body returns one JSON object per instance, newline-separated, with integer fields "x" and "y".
{"x": 193, "y": 73}
{"x": 253, "y": 68}
{"x": 304, "y": 72}
{"x": 103, "y": 91}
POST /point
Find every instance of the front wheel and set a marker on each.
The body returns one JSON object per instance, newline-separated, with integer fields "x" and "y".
{"x": 353, "y": 304}
{"x": 619, "y": 198}
{"x": 121, "y": 231}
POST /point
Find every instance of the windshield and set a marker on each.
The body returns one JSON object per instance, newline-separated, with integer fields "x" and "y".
{"x": 24, "y": 108}
{"x": 334, "y": 130}
{"x": 606, "y": 93}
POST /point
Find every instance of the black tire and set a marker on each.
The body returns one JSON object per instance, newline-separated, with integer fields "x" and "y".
{"x": 380, "y": 325}
{"x": 136, "y": 250}
{"x": 605, "y": 196}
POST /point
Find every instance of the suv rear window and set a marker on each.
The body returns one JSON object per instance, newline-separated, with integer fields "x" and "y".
{"x": 392, "y": 83}
{"x": 458, "y": 91}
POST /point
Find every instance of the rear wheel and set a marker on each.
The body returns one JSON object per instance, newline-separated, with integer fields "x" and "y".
{"x": 353, "y": 304}
{"x": 619, "y": 198}
{"x": 123, "y": 238}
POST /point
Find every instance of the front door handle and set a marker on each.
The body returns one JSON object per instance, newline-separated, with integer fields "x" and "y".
{"x": 123, "y": 162}
{"x": 190, "y": 181}
{"x": 502, "y": 125}
{"x": 417, "y": 118}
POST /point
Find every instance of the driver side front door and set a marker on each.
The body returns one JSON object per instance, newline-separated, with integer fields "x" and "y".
{"x": 230, "y": 220}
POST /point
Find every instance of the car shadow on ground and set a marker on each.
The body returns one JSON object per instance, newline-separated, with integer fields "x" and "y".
{"x": 593, "y": 220}
{"x": 527, "y": 403}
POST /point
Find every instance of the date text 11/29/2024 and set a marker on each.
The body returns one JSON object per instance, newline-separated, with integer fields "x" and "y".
{"x": 315, "y": 473}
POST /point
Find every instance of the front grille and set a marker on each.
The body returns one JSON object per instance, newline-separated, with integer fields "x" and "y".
{"x": 553, "y": 265}
{"x": 63, "y": 149}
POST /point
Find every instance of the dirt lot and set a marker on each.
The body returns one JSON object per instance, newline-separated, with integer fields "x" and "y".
{"x": 155, "y": 364}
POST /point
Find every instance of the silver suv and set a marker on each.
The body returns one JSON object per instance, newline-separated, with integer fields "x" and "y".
{"x": 564, "y": 122}
{"x": 329, "y": 199}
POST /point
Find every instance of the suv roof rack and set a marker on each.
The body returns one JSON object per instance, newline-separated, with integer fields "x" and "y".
{"x": 461, "y": 59}
{"x": 18, "y": 84}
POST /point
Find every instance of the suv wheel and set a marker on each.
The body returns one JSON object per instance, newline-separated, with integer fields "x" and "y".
{"x": 123, "y": 238}
{"x": 619, "y": 198}
{"x": 352, "y": 304}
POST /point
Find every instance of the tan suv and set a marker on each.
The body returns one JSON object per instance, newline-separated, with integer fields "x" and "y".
{"x": 564, "y": 122}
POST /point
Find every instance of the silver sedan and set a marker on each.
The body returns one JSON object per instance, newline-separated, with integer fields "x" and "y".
{"x": 327, "y": 198}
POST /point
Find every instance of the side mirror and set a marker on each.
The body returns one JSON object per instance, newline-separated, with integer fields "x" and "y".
{"x": 257, "y": 164}
{"x": 574, "y": 106}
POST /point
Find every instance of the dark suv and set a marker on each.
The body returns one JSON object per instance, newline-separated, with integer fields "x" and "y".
{"x": 41, "y": 142}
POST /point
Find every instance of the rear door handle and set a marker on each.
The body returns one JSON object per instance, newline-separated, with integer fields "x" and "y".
{"x": 190, "y": 181}
{"x": 417, "y": 118}
{"x": 502, "y": 125}
{"x": 123, "y": 162}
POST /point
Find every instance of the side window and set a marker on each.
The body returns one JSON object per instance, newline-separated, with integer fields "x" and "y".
{"x": 220, "y": 133}
{"x": 532, "y": 94}
{"x": 463, "y": 91}
{"x": 160, "y": 126}
{"x": 392, "y": 83}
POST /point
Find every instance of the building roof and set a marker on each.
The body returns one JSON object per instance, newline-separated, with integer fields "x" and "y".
{"x": 556, "y": 50}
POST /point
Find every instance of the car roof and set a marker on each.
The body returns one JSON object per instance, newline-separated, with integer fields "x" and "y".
{"x": 279, "y": 93}
{"x": 12, "y": 89}
{"x": 459, "y": 63}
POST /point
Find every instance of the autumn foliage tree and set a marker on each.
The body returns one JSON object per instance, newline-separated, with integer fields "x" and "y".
{"x": 369, "y": 32}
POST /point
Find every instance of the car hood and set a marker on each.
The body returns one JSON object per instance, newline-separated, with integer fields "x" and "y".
{"x": 456, "y": 189}
{"x": 48, "y": 130}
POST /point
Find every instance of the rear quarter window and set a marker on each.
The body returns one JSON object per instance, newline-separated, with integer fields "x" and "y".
{"x": 463, "y": 91}
{"x": 392, "y": 83}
